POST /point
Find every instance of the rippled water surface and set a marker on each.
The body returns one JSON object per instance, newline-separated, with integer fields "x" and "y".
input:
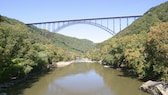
{"x": 80, "y": 79}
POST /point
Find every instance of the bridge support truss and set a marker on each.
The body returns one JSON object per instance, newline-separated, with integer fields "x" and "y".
{"x": 109, "y": 24}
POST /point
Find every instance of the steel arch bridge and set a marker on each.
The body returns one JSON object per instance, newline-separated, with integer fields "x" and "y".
{"x": 108, "y": 24}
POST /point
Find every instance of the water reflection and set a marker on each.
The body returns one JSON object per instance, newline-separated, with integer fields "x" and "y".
{"x": 89, "y": 83}
{"x": 83, "y": 79}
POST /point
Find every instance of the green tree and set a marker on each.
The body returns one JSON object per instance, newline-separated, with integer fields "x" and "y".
{"x": 157, "y": 52}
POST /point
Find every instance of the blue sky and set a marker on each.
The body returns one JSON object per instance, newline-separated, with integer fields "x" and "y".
{"x": 29, "y": 11}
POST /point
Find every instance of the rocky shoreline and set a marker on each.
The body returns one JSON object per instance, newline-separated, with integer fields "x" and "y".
{"x": 155, "y": 88}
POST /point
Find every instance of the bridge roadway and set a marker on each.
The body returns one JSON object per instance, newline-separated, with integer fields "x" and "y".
{"x": 108, "y": 24}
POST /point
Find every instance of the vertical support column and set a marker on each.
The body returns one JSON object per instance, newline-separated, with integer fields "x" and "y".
{"x": 53, "y": 27}
{"x": 107, "y": 23}
{"x": 58, "y": 26}
{"x": 127, "y": 22}
{"x": 120, "y": 24}
{"x": 63, "y": 23}
{"x": 101, "y": 22}
{"x": 114, "y": 25}
{"x": 48, "y": 26}
{"x": 41, "y": 27}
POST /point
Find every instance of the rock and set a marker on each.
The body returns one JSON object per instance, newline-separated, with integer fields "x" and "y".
{"x": 3, "y": 93}
{"x": 100, "y": 62}
{"x": 106, "y": 66}
{"x": 155, "y": 88}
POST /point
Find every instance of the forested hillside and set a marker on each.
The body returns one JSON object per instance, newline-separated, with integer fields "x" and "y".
{"x": 69, "y": 43}
{"x": 27, "y": 49}
{"x": 142, "y": 48}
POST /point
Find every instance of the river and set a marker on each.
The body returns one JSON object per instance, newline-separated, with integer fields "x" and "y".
{"x": 80, "y": 79}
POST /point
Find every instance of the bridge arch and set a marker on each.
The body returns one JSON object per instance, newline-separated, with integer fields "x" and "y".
{"x": 85, "y": 22}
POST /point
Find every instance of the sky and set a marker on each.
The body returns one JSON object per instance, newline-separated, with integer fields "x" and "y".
{"x": 29, "y": 11}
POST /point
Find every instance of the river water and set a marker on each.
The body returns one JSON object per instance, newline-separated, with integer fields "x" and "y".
{"x": 80, "y": 79}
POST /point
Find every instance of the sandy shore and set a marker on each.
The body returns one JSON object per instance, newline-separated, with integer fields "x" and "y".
{"x": 62, "y": 63}
{"x": 65, "y": 63}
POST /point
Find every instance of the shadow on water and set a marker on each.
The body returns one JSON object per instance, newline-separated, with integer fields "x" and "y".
{"x": 19, "y": 88}
{"x": 130, "y": 74}
{"x": 127, "y": 73}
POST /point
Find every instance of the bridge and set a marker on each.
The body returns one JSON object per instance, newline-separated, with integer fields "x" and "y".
{"x": 109, "y": 24}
